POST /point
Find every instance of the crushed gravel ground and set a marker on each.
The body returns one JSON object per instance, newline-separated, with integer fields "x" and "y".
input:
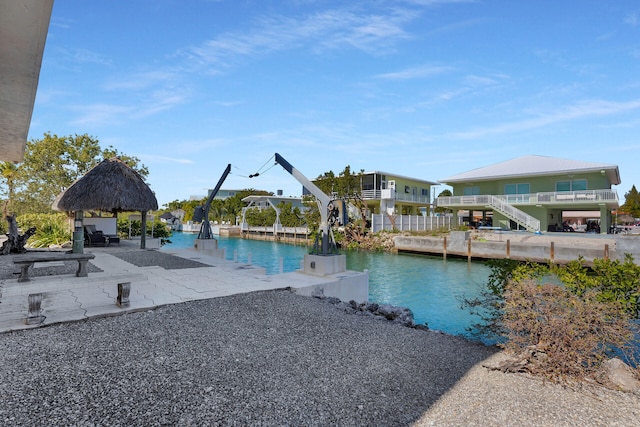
{"x": 271, "y": 358}
{"x": 266, "y": 358}
{"x": 274, "y": 358}
{"x": 144, "y": 258}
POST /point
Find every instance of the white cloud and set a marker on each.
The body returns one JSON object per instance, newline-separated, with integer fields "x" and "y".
{"x": 228, "y": 104}
{"x": 140, "y": 81}
{"x": 581, "y": 110}
{"x": 415, "y": 72}
{"x": 437, "y": 2}
{"x": 154, "y": 158}
{"x": 328, "y": 30}
{"x": 161, "y": 100}
{"x": 100, "y": 114}
{"x": 84, "y": 56}
{"x": 632, "y": 19}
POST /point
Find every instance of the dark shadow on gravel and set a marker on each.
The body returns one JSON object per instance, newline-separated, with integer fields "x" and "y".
{"x": 264, "y": 358}
{"x": 144, "y": 258}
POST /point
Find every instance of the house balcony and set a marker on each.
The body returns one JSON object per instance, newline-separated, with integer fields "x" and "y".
{"x": 586, "y": 199}
{"x": 389, "y": 194}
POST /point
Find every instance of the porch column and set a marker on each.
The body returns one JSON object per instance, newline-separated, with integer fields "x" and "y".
{"x": 78, "y": 233}
{"x": 605, "y": 219}
{"x": 143, "y": 231}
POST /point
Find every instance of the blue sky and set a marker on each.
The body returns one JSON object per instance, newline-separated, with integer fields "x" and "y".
{"x": 421, "y": 88}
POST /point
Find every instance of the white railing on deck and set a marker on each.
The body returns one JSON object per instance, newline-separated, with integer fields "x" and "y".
{"x": 371, "y": 194}
{"x": 552, "y": 197}
{"x": 381, "y": 222}
{"x": 403, "y": 197}
{"x": 577, "y": 196}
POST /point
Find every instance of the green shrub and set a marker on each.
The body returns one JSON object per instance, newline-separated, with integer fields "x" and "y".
{"x": 611, "y": 280}
{"x": 160, "y": 229}
{"x": 51, "y": 229}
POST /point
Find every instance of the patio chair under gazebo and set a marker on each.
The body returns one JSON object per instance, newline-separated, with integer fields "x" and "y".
{"x": 111, "y": 186}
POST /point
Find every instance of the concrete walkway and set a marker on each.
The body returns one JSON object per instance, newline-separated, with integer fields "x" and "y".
{"x": 68, "y": 298}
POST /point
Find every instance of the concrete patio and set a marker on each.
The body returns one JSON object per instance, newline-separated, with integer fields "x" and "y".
{"x": 68, "y": 298}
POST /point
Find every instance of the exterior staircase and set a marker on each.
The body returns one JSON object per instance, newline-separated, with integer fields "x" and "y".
{"x": 527, "y": 221}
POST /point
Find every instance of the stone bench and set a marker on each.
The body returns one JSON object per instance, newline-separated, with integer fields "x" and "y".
{"x": 25, "y": 261}
{"x": 34, "y": 301}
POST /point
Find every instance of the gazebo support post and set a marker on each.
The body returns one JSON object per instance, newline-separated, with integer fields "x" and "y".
{"x": 143, "y": 231}
{"x": 78, "y": 233}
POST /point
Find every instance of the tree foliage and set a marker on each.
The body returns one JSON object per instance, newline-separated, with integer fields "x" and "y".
{"x": 156, "y": 227}
{"x": 220, "y": 210}
{"x": 444, "y": 193}
{"x": 50, "y": 166}
{"x": 289, "y": 216}
{"x": 611, "y": 281}
{"x": 9, "y": 173}
{"x": 631, "y": 203}
{"x": 345, "y": 185}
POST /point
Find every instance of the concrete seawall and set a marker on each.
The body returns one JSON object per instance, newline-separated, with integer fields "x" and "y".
{"x": 559, "y": 248}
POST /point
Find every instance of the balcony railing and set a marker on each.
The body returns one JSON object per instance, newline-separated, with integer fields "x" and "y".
{"x": 398, "y": 196}
{"x": 595, "y": 197}
{"x": 371, "y": 194}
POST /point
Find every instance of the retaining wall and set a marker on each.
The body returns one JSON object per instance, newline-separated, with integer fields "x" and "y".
{"x": 462, "y": 245}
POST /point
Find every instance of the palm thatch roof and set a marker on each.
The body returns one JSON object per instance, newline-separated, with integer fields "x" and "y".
{"x": 111, "y": 186}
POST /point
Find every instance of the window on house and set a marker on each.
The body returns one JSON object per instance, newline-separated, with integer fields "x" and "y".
{"x": 471, "y": 191}
{"x": 579, "y": 185}
{"x": 368, "y": 182}
{"x": 575, "y": 185}
{"x": 424, "y": 191}
{"x": 516, "y": 189}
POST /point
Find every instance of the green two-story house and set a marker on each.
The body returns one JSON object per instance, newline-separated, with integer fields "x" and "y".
{"x": 393, "y": 194}
{"x": 531, "y": 192}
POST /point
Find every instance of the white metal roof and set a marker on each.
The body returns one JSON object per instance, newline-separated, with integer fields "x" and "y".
{"x": 400, "y": 176}
{"x": 534, "y": 166}
{"x": 263, "y": 198}
{"x": 23, "y": 31}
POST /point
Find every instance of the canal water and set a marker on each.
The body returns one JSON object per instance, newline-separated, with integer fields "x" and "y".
{"x": 430, "y": 286}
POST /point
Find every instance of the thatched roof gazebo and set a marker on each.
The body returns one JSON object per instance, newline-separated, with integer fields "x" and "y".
{"x": 111, "y": 186}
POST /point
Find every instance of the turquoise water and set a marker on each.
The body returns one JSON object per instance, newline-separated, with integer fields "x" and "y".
{"x": 431, "y": 287}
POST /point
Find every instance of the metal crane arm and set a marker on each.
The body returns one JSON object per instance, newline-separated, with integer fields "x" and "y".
{"x": 205, "y": 228}
{"x": 323, "y": 201}
{"x": 313, "y": 189}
